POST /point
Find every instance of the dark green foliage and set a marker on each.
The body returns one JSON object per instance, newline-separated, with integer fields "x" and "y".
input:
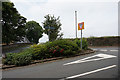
{"x": 52, "y": 21}
{"x": 9, "y": 60}
{"x": 69, "y": 47}
{"x": 84, "y": 43}
{"x": 19, "y": 59}
{"x": 55, "y": 51}
{"x": 13, "y": 24}
{"x": 33, "y": 31}
{"x": 23, "y": 58}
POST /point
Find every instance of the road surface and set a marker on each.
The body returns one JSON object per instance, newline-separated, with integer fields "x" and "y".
{"x": 101, "y": 64}
{"x": 16, "y": 50}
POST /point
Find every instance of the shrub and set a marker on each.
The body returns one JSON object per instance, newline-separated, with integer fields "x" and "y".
{"x": 68, "y": 47}
{"x": 28, "y": 51}
{"x": 18, "y": 59}
{"x": 9, "y": 60}
{"x": 55, "y": 51}
{"x": 39, "y": 52}
{"x": 23, "y": 58}
{"x": 84, "y": 43}
{"x": 50, "y": 49}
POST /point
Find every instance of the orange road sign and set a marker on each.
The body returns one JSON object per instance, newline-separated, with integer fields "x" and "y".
{"x": 81, "y": 26}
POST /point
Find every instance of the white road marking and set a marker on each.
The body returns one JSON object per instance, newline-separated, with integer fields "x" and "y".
{"x": 101, "y": 57}
{"x": 86, "y": 73}
{"x": 103, "y": 50}
{"x": 95, "y": 49}
{"x": 113, "y": 50}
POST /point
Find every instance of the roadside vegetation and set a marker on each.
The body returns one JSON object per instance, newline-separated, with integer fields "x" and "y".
{"x": 104, "y": 41}
{"x": 57, "y": 48}
{"x": 101, "y": 41}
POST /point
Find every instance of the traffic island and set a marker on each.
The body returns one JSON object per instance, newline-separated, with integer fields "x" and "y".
{"x": 83, "y": 52}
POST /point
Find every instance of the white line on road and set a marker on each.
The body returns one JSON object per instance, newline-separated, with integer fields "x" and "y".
{"x": 103, "y": 50}
{"x": 113, "y": 50}
{"x": 86, "y": 73}
{"x": 95, "y": 49}
{"x": 100, "y": 56}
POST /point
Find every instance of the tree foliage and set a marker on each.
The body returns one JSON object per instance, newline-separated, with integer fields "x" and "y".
{"x": 51, "y": 21}
{"x": 13, "y": 24}
{"x": 33, "y": 31}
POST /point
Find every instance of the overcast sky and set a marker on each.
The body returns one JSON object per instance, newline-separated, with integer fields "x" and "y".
{"x": 100, "y": 17}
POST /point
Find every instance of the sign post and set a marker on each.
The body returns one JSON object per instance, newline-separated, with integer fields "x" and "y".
{"x": 80, "y": 27}
{"x": 81, "y": 38}
{"x": 48, "y": 27}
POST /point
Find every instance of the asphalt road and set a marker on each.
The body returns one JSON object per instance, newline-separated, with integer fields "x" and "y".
{"x": 16, "y": 50}
{"x": 101, "y": 64}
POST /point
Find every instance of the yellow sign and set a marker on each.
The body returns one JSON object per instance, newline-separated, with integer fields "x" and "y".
{"x": 81, "y": 26}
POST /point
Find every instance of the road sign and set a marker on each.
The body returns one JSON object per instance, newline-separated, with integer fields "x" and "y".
{"x": 49, "y": 27}
{"x": 80, "y": 26}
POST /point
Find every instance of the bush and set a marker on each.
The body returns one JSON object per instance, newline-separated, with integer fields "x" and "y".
{"x": 39, "y": 52}
{"x": 55, "y": 51}
{"x": 50, "y": 49}
{"x": 66, "y": 46}
{"x": 23, "y": 58}
{"x": 84, "y": 43}
{"x": 9, "y": 60}
{"x": 18, "y": 59}
{"x": 28, "y": 51}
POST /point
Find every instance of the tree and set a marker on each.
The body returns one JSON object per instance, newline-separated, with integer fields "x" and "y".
{"x": 33, "y": 31}
{"x": 51, "y": 21}
{"x": 13, "y": 24}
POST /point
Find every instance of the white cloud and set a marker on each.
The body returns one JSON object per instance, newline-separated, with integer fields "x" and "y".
{"x": 43, "y": 39}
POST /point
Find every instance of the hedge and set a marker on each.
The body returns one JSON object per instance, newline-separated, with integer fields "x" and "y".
{"x": 42, "y": 51}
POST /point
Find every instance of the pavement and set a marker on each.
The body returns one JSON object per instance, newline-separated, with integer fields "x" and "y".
{"x": 101, "y": 64}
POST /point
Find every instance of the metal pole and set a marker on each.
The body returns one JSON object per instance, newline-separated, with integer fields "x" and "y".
{"x": 49, "y": 33}
{"x": 81, "y": 39}
{"x": 76, "y": 22}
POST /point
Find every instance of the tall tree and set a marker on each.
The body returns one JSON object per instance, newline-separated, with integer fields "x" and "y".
{"x": 33, "y": 31}
{"x": 49, "y": 23}
{"x": 13, "y": 24}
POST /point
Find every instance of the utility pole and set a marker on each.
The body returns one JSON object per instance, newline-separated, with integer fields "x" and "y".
{"x": 76, "y": 22}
